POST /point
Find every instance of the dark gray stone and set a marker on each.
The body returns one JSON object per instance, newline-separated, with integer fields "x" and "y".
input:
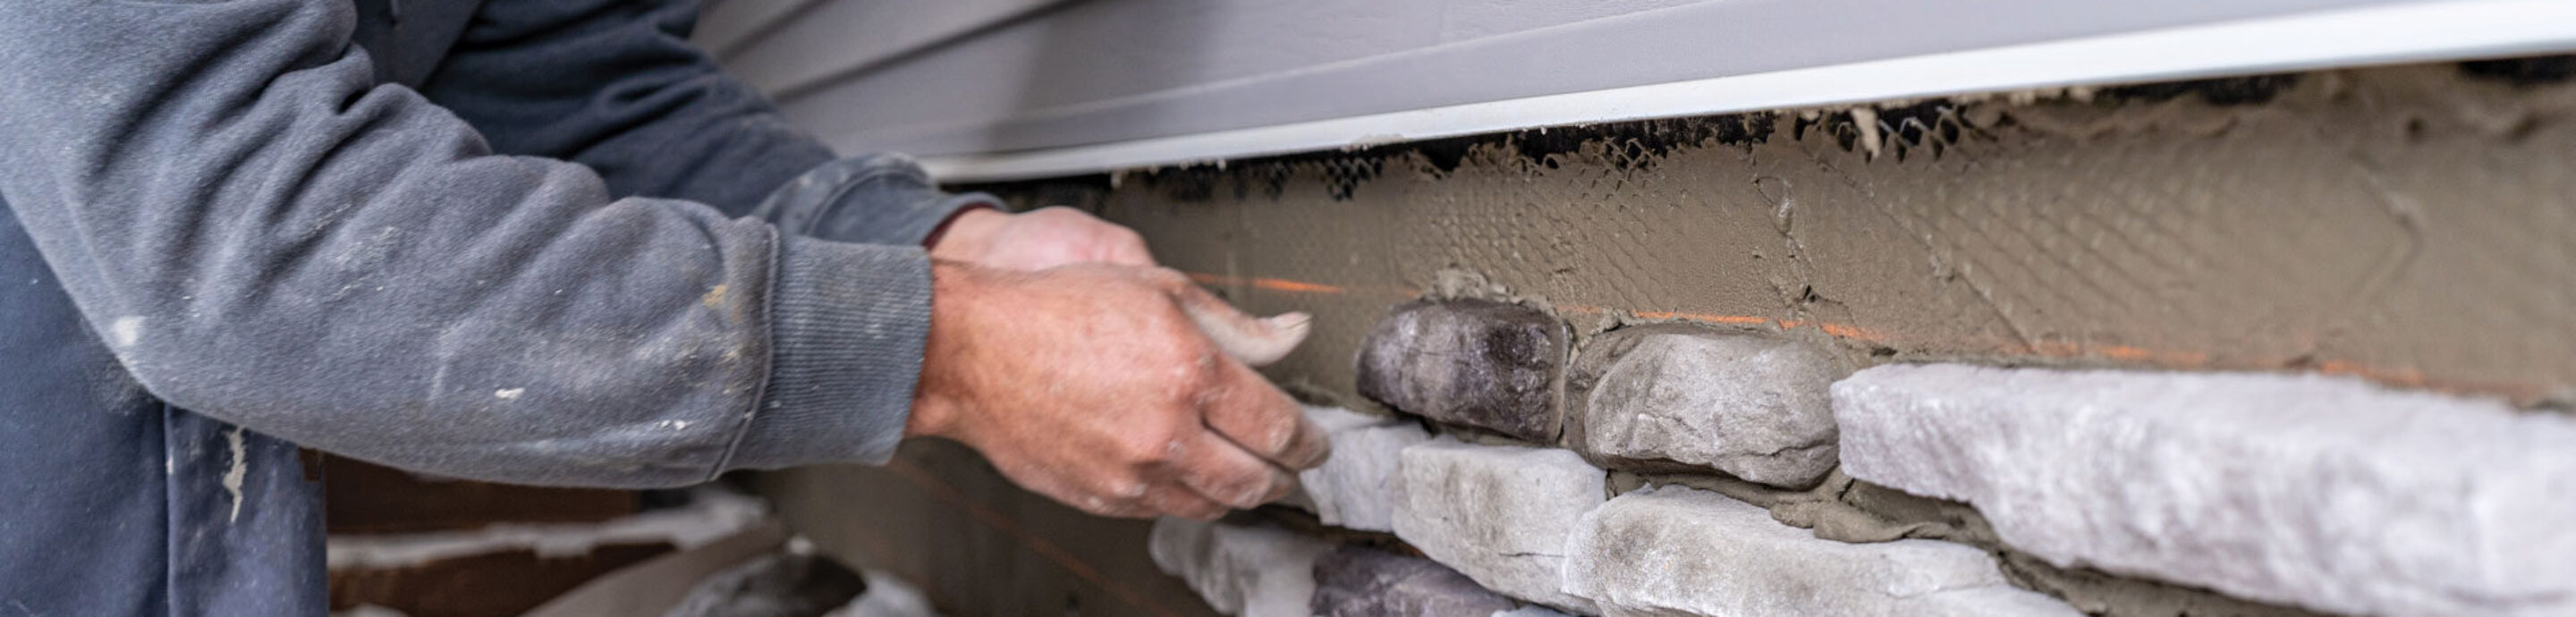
{"x": 1478, "y": 363}
{"x": 1357, "y": 581}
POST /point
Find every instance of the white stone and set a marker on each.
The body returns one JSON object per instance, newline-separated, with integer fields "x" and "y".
{"x": 1355, "y": 488}
{"x": 2324, "y": 492}
{"x": 1499, "y": 514}
{"x": 1756, "y": 407}
{"x": 1241, "y": 570}
{"x": 1676, "y": 551}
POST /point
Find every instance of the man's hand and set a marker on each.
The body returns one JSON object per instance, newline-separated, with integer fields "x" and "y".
{"x": 1094, "y": 384}
{"x": 1037, "y": 240}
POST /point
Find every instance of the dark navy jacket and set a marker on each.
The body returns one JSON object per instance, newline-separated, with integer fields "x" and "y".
{"x": 537, "y": 241}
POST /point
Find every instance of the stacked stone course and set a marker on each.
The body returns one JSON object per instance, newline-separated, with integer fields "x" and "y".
{"x": 2324, "y": 493}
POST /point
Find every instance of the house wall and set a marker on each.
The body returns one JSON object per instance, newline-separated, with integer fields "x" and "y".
{"x": 992, "y": 76}
{"x": 2283, "y": 344}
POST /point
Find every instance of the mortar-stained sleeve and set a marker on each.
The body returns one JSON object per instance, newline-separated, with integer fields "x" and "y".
{"x": 263, "y": 235}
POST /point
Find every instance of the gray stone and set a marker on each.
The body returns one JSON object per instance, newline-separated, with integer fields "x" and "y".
{"x": 1754, "y": 406}
{"x": 779, "y": 584}
{"x": 1356, "y": 487}
{"x": 1500, "y": 514}
{"x": 1241, "y": 570}
{"x": 1677, "y": 551}
{"x": 2324, "y": 492}
{"x": 1356, "y": 581}
{"x": 1478, "y": 363}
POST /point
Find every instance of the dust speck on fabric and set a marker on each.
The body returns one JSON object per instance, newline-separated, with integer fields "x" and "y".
{"x": 240, "y": 469}
{"x": 126, "y": 331}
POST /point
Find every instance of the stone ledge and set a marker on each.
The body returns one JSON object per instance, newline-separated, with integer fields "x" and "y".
{"x": 1499, "y": 514}
{"x": 2317, "y": 491}
{"x": 1676, "y": 551}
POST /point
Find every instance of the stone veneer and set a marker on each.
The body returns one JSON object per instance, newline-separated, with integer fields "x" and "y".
{"x": 2299, "y": 490}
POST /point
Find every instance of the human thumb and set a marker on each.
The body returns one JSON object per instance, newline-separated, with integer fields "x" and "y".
{"x": 1252, "y": 341}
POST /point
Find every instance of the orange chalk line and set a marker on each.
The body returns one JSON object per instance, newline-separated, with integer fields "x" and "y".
{"x": 941, "y": 491}
{"x": 2127, "y": 353}
{"x": 1270, "y": 284}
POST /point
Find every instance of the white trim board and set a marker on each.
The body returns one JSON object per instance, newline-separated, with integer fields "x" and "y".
{"x": 2338, "y": 38}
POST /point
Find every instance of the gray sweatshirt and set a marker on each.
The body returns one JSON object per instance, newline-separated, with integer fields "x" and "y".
{"x": 263, "y": 231}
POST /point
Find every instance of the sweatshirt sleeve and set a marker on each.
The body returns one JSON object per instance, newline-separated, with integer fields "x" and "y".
{"x": 262, "y": 235}
{"x": 617, "y": 86}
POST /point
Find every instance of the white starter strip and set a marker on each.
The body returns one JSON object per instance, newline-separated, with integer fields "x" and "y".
{"x": 2376, "y": 35}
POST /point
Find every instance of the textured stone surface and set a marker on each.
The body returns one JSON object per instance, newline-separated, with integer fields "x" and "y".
{"x": 1241, "y": 570}
{"x": 1500, "y": 514}
{"x": 1474, "y": 362}
{"x": 1754, "y": 406}
{"x": 779, "y": 583}
{"x": 1356, "y": 487}
{"x": 1679, "y": 551}
{"x": 1357, "y": 581}
{"x": 2317, "y": 491}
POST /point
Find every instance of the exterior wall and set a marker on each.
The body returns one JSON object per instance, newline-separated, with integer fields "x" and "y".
{"x": 789, "y": 46}
{"x": 2095, "y": 418}
{"x": 2193, "y": 273}
{"x": 2259, "y": 346}
{"x": 2397, "y": 224}
{"x": 995, "y": 76}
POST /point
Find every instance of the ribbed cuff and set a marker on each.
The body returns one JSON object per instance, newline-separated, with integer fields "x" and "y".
{"x": 847, "y": 326}
{"x": 881, "y": 198}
